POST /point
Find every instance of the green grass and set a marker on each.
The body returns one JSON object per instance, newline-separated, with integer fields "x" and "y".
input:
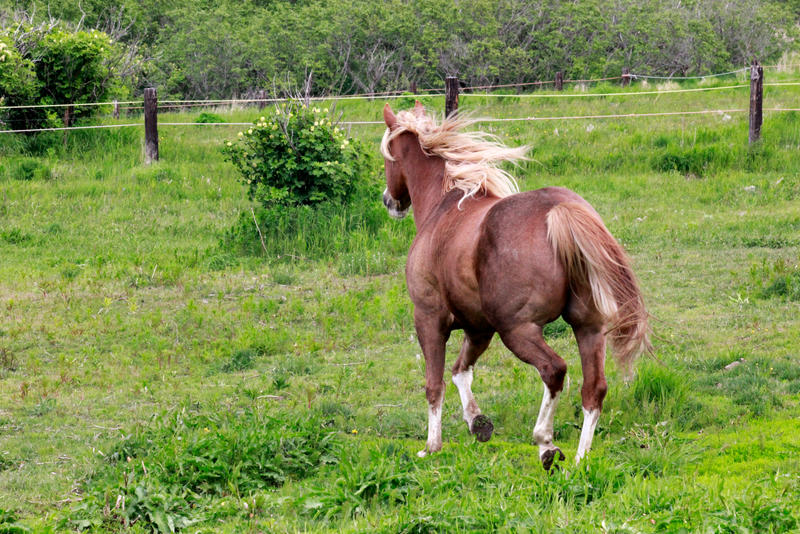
{"x": 152, "y": 353}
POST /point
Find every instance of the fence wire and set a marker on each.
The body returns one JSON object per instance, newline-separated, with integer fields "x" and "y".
{"x": 425, "y": 92}
{"x": 477, "y": 120}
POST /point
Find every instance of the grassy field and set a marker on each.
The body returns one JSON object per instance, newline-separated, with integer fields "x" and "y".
{"x": 158, "y": 375}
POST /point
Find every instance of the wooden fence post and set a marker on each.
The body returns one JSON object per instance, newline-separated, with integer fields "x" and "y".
{"x": 756, "y": 100}
{"x": 413, "y": 87}
{"x": 262, "y": 98}
{"x": 451, "y": 95}
{"x": 560, "y": 80}
{"x": 115, "y": 113}
{"x": 150, "y": 125}
{"x": 67, "y": 117}
{"x": 626, "y": 77}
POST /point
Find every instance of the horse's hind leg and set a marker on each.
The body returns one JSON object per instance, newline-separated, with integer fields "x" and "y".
{"x": 474, "y": 345}
{"x": 527, "y": 343}
{"x": 592, "y": 347}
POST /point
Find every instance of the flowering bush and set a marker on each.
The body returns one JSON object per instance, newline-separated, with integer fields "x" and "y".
{"x": 297, "y": 155}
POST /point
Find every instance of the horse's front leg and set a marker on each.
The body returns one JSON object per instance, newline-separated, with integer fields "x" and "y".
{"x": 433, "y": 333}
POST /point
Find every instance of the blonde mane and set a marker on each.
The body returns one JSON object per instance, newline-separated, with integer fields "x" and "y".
{"x": 471, "y": 158}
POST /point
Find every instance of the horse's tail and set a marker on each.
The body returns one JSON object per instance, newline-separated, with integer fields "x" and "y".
{"x": 592, "y": 257}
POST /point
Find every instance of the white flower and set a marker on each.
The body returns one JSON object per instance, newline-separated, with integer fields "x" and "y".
{"x": 230, "y": 144}
{"x": 240, "y": 134}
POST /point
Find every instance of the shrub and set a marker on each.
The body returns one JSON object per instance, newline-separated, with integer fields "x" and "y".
{"x": 74, "y": 68}
{"x": 297, "y": 155}
{"x": 18, "y": 84}
{"x": 56, "y": 67}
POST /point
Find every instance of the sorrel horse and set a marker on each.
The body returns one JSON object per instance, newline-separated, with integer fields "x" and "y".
{"x": 486, "y": 260}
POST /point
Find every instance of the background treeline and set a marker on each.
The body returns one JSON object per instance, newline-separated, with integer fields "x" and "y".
{"x": 224, "y": 48}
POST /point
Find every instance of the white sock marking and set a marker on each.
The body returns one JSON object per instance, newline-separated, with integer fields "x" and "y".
{"x": 590, "y": 418}
{"x": 463, "y": 382}
{"x": 543, "y": 431}
{"x": 434, "y": 429}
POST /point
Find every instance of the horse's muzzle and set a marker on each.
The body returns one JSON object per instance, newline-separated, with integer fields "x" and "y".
{"x": 395, "y": 207}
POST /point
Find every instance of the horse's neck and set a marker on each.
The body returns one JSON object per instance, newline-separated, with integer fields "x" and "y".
{"x": 425, "y": 188}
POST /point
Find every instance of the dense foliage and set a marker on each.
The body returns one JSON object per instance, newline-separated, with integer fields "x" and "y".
{"x": 296, "y": 155}
{"x": 18, "y": 83}
{"x": 50, "y": 65}
{"x": 221, "y": 49}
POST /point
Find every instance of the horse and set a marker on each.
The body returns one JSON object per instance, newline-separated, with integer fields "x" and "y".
{"x": 488, "y": 259}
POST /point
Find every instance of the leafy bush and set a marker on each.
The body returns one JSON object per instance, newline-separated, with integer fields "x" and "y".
{"x": 74, "y": 68}
{"x": 18, "y": 84}
{"x": 297, "y": 155}
{"x": 56, "y": 67}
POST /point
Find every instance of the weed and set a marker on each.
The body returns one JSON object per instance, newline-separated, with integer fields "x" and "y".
{"x": 695, "y": 161}
{"x": 15, "y": 236}
{"x": 43, "y": 407}
{"x": 240, "y": 360}
{"x": 31, "y": 169}
{"x": 582, "y": 485}
{"x": 653, "y": 450}
{"x": 361, "y": 483}
{"x": 161, "y": 473}
{"x": 205, "y": 117}
{"x": 220, "y": 262}
{"x": 283, "y": 277}
{"x": 8, "y": 361}
{"x": 366, "y": 262}
{"x": 779, "y": 279}
{"x": 9, "y": 524}
{"x": 558, "y": 328}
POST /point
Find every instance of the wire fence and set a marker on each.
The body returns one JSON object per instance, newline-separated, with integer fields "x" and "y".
{"x": 135, "y": 105}
{"x": 403, "y": 93}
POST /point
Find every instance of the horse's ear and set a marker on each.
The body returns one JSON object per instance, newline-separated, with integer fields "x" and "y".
{"x": 389, "y": 117}
{"x": 419, "y": 109}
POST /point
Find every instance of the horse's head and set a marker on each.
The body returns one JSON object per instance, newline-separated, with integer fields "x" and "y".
{"x": 396, "y": 197}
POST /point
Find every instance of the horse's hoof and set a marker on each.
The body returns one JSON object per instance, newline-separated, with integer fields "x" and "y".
{"x": 482, "y": 427}
{"x": 423, "y": 453}
{"x": 550, "y": 456}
